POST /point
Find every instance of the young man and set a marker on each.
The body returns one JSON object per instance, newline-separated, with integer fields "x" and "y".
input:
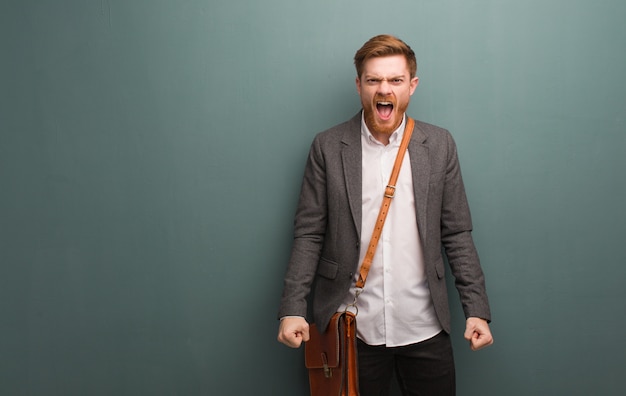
{"x": 403, "y": 318}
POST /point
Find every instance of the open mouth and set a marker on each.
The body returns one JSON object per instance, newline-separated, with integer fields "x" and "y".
{"x": 384, "y": 109}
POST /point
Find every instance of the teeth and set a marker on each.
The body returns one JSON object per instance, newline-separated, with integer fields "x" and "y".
{"x": 385, "y": 103}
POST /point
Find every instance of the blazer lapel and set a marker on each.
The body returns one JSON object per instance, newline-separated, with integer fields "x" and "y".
{"x": 420, "y": 169}
{"x": 351, "y": 156}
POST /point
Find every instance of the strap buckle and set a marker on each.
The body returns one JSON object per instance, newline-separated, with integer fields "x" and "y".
{"x": 328, "y": 372}
{"x": 390, "y": 191}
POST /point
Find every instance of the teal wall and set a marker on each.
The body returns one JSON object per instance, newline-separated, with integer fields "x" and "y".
{"x": 150, "y": 161}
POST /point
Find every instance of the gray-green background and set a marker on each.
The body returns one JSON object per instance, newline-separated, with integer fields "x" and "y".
{"x": 150, "y": 161}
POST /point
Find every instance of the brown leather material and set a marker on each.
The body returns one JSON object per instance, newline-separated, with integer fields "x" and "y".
{"x": 331, "y": 357}
{"x": 352, "y": 376}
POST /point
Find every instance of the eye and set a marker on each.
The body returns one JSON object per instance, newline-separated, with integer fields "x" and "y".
{"x": 372, "y": 81}
{"x": 397, "y": 81}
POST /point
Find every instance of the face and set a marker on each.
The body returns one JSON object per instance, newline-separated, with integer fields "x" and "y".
{"x": 385, "y": 88}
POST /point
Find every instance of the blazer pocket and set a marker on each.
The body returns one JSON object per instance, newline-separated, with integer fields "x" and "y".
{"x": 327, "y": 269}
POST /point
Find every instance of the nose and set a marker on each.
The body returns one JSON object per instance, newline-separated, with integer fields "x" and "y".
{"x": 384, "y": 88}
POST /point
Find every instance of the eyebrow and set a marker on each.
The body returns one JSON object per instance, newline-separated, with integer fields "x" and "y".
{"x": 376, "y": 77}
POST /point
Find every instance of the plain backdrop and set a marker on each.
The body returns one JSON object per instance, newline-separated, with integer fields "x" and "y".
{"x": 150, "y": 161}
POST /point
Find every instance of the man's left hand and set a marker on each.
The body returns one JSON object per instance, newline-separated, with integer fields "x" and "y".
{"x": 477, "y": 333}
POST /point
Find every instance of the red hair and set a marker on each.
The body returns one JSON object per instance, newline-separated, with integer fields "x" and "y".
{"x": 384, "y": 45}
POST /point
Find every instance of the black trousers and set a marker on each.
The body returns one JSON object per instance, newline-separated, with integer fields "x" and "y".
{"x": 424, "y": 369}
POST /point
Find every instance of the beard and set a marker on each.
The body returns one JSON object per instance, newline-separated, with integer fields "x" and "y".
{"x": 384, "y": 119}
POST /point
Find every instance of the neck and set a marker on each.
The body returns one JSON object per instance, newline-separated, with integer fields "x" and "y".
{"x": 381, "y": 137}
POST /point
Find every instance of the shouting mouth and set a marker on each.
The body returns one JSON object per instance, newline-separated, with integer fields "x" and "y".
{"x": 384, "y": 109}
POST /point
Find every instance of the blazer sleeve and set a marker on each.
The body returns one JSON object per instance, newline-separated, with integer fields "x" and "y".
{"x": 456, "y": 238}
{"x": 309, "y": 230}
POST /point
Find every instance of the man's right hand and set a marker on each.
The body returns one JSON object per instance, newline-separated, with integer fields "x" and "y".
{"x": 293, "y": 330}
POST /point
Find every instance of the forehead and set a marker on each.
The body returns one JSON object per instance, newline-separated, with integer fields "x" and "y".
{"x": 394, "y": 65}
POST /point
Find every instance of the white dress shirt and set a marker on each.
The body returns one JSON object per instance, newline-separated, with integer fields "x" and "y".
{"x": 395, "y": 307}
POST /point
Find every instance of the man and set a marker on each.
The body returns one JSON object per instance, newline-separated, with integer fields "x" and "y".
{"x": 403, "y": 314}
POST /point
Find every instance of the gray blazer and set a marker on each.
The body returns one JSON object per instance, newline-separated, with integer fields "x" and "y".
{"x": 327, "y": 231}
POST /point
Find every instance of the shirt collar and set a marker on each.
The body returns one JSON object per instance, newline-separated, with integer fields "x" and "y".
{"x": 394, "y": 139}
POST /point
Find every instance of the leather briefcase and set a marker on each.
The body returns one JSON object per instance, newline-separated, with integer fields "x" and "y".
{"x": 331, "y": 357}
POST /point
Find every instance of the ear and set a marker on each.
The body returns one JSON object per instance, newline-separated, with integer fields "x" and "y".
{"x": 414, "y": 82}
{"x": 358, "y": 85}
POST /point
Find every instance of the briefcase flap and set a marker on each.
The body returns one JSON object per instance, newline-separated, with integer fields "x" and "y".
{"x": 323, "y": 349}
